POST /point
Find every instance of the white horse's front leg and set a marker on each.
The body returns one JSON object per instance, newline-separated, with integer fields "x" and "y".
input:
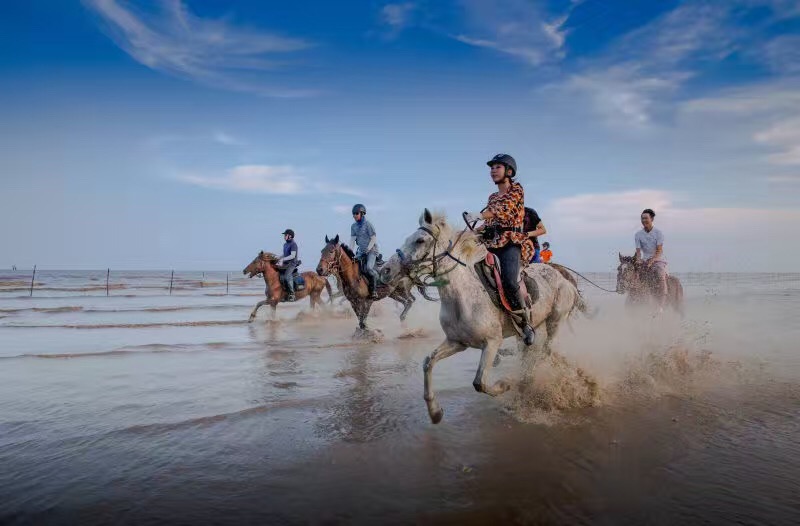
{"x": 258, "y": 306}
{"x": 487, "y": 361}
{"x": 445, "y": 349}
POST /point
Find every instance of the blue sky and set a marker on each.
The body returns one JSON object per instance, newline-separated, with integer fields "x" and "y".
{"x": 190, "y": 134}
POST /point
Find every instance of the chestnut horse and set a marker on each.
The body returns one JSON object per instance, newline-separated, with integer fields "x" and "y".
{"x": 338, "y": 260}
{"x": 265, "y": 264}
{"x": 639, "y": 282}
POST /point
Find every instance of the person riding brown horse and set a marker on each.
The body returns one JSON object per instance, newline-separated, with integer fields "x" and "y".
{"x": 338, "y": 260}
{"x": 642, "y": 284}
{"x": 266, "y": 264}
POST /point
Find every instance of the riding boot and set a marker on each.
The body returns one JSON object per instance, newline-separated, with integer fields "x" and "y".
{"x": 290, "y": 290}
{"x": 372, "y": 285}
{"x": 521, "y": 319}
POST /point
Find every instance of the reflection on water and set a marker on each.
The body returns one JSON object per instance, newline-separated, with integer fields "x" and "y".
{"x": 180, "y": 411}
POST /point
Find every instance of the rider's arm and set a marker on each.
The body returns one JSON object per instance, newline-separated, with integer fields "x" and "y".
{"x": 353, "y": 243}
{"x": 290, "y": 257}
{"x": 638, "y": 253}
{"x": 540, "y": 230}
{"x": 658, "y": 254}
{"x": 372, "y": 241}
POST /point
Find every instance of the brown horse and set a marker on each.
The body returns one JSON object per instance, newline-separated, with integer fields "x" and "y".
{"x": 639, "y": 282}
{"x": 338, "y": 260}
{"x": 265, "y": 264}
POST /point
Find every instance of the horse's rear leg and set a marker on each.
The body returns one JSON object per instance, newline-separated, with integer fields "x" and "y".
{"x": 487, "y": 361}
{"x": 258, "y": 306}
{"x": 445, "y": 349}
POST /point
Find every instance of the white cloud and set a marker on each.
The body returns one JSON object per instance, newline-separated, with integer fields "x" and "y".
{"x": 599, "y": 214}
{"x": 514, "y": 27}
{"x": 784, "y": 179}
{"x": 640, "y": 75}
{"x": 208, "y": 51}
{"x": 782, "y": 54}
{"x": 771, "y": 113}
{"x": 226, "y": 139}
{"x": 624, "y": 95}
{"x": 531, "y": 55}
{"x": 268, "y": 179}
{"x": 397, "y": 16}
{"x": 253, "y": 178}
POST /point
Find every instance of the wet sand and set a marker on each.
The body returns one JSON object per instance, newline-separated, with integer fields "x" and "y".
{"x": 145, "y": 408}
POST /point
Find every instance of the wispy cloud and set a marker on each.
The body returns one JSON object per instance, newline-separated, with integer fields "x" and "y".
{"x": 267, "y": 179}
{"x": 253, "y": 178}
{"x": 514, "y": 27}
{"x": 165, "y": 139}
{"x": 784, "y": 179}
{"x": 590, "y": 215}
{"x": 784, "y": 135}
{"x": 769, "y": 113}
{"x": 781, "y": 54}
{"x": 227, "y": 140}
{"x": 397, "y": 16}
{"x": 212, "y": 52}
{"x": 624, "y": 95}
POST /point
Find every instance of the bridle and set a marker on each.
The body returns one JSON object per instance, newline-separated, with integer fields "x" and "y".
{"x": 335, "y": 266}
{"x": 421, "y": 270}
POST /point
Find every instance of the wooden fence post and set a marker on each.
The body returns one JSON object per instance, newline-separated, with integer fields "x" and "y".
{"x": 33, "y": 276}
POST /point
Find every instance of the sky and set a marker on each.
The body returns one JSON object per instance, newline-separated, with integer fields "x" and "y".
{"x": 190, "y": 134}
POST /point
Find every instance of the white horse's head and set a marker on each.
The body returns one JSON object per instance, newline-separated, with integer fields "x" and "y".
{"x": 422, "y": 245}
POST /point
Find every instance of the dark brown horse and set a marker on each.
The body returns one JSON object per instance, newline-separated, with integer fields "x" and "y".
{"x": 338, "y": 260}
{"x": 641, "y": 285}
{"x": 265, "y": 264}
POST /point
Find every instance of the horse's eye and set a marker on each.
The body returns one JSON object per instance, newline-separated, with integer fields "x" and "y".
{"x": 420, "y": 241}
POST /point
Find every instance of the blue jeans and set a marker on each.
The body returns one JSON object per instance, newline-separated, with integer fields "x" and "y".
{"x": 369, "y": 269}
{"x": 286, "y": 276}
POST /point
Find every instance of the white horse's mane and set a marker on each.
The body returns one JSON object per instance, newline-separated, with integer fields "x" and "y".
{"x": 469, "y": 243}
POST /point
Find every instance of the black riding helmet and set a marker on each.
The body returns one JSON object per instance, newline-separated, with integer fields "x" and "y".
{"x": 359, "y": 208}
{"x": 506, "y": 160}
{"x": 289, "y": 231}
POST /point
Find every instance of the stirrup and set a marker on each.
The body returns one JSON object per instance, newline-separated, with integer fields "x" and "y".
{"x": 522, "y": 323}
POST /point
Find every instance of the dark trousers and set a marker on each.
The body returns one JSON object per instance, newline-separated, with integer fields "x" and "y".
{"x": 286, "y": 277}
{"x": 509, "y": 257}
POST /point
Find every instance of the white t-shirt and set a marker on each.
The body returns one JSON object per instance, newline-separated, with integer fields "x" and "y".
{"x": 648, "y": 241}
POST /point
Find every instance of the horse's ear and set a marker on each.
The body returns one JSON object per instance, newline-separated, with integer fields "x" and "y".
{"x": 621, "y": 259}
{"x": 427, "y": 217}
{"x": 336, "y": 240}
{"x": 326, "y": 239}
{"x": 261, "y": 253}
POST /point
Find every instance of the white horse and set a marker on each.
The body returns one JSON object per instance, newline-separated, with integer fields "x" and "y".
{"x": 467, "y": 315}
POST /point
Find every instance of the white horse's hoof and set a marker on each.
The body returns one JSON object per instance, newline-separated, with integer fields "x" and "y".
{"x": 437, "y": 416}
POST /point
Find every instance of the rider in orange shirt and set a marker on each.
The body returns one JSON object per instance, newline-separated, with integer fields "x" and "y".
{"x": 546, "y": 253}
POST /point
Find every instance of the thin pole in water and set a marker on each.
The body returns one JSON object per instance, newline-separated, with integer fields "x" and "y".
{"x": 202, "y": 280}
{"x": 227, "y": 277}
{"x": 170, "y": 282}
{"x": 108, "y": 273}
{"x": 32, "y": 278}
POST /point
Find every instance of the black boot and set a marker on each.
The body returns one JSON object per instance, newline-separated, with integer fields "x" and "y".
{"x": 522, "y": 319}
{"x": 372, "y": 282}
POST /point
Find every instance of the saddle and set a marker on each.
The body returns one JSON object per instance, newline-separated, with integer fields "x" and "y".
{"x": 490, "y": 274}
{"x": 362, "y": 264}
{"x": 299, "y": 280}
